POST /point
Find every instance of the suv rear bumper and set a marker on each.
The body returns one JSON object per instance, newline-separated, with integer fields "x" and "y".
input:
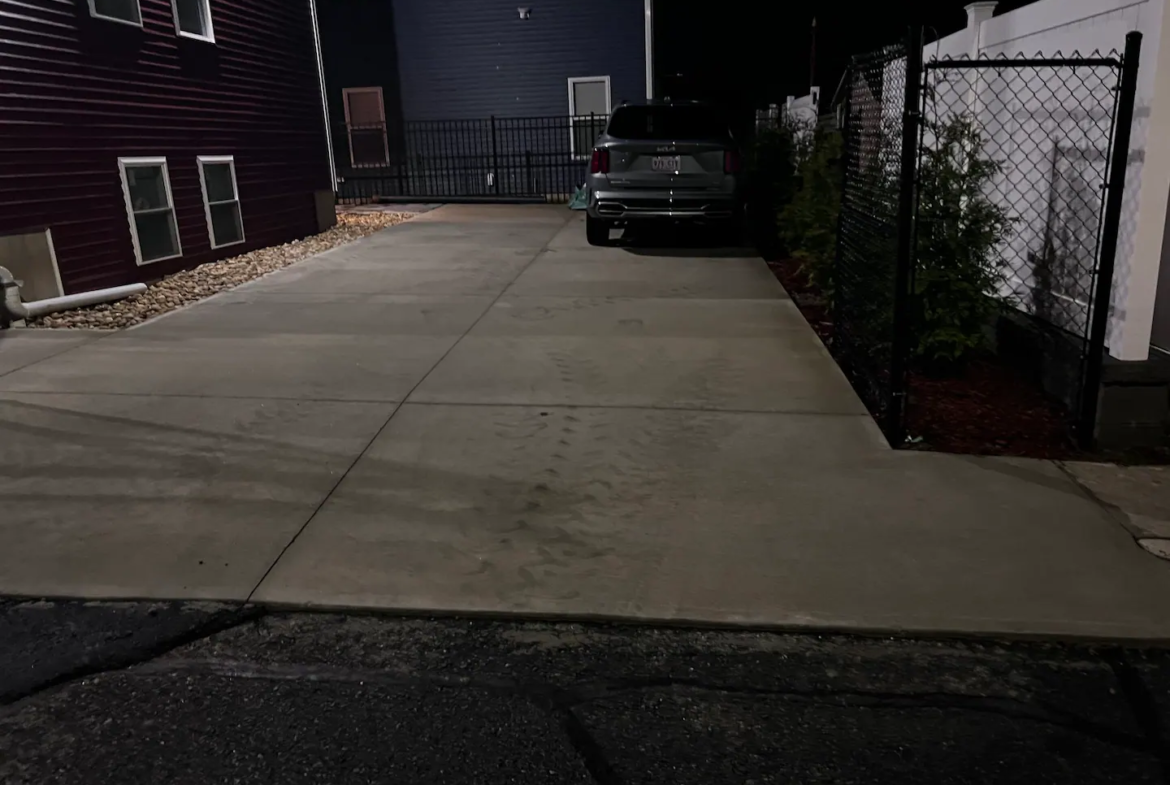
{"x": 627, "y": 205}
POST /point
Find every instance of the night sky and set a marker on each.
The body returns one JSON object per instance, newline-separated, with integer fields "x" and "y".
{"x": 766, "y": 52}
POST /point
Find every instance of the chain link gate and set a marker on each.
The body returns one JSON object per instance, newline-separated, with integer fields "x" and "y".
{"x": 875, "y": 232}
{"x": 1054, "y": 134}
{"x": 1051, "y": 138}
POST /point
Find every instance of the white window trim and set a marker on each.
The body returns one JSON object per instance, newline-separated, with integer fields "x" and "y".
{"x": 94, "y": 13}
{"x": 210, "y": 37}
{"x": 574, "y": 80}
{"x": 230, "y": 160}
{"x": 345, "y": 92}
{"x": 123, "y": 164}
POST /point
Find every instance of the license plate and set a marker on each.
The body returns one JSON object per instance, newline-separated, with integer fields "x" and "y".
{"x": 666, "y": 163}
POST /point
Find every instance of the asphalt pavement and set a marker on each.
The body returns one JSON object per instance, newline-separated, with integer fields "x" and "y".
{"x": 128, "y": 693}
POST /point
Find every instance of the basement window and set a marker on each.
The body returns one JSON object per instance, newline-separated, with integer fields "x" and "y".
{"x": 125, "y": 11}
{"x": 221, "y": 200}
{"x": 193, "y": 19}
{"x": 151, "y": 209}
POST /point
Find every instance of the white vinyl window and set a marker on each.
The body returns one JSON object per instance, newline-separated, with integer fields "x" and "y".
{"x": 193, "y": 19}
{"x": 589, "y": 108}
{"x": 221, "y": 200}
{"x": 151, "y": 209}
{"x": 127, "y": 11}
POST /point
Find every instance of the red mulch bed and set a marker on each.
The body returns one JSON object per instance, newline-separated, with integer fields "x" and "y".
{"x": 988, "y": 409}
{"x": 807, "y": 299}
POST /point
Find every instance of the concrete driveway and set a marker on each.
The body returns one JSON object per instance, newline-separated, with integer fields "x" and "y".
{"x": 477, "y": 412}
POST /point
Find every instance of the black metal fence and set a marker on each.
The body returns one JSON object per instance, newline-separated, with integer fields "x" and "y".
{"x": 873, "y": 235}
{"x": 1045, "y": 143}
{"x": 1056, "y": 132}
{"x": 542, "y": 158}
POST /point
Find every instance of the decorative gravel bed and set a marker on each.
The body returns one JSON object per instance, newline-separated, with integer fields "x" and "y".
{"x": 196, "y": 284}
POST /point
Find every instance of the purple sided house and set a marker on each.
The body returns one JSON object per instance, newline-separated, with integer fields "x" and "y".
{"x": 141, "y": 137}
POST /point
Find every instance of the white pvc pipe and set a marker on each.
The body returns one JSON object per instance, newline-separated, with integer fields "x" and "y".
{"x": 649, "y": 25}
{"x": 11, "y": 308}
{"x": 96, "y": 297}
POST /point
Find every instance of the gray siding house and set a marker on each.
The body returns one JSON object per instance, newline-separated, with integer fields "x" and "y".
{"x": 476, "y": 97}
{"x": 470, "y": 59}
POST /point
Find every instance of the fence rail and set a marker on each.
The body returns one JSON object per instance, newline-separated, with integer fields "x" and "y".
{"x": 534, "y": 157}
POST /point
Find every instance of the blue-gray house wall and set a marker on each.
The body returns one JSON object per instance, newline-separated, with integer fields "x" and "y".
{"x": 473, "y": 59}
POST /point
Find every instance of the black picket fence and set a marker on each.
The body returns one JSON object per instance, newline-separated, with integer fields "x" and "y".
{"x": 1053, "y": 137}
{"x": 538, "y": 158}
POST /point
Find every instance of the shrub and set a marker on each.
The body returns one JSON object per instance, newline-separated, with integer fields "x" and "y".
{"x": 772, "y": 175}
{"x": 808, "y": 224}
{"x": 959, "y": 269}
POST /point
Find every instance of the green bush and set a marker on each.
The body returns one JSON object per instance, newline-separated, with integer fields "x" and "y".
{"x": 960, "y": 231}
{"x": 808, "y": 224}
{"x": 771, "y": 176}
{"x": 771, "y": 164}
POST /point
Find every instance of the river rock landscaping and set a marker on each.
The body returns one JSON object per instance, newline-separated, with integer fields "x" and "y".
{"x": 189, "y": 286}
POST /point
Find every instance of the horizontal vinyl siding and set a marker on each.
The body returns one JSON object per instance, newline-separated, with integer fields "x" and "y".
{"x": 471, "y": 59}
{"x": 358, "y": 47}
{"x": 77, "y": 93}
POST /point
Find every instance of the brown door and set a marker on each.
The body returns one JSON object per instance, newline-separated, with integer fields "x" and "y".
{"x": 365, "y": 119}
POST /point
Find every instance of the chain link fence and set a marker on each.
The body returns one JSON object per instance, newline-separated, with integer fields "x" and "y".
{"x": 1001, "y": 175}
{"x": 1047, "y": 125}
{"x": 865, "y": 277}
{"x": 1043, "y": 131}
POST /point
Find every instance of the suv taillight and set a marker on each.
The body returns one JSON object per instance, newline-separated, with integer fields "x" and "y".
{"x": 600, "y": 162}
{"x": 731, "y": 162}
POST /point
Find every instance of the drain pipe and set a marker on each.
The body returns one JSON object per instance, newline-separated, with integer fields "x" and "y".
{"x": 96, "y": 297}
{"x": 14, "y": 310}
{"x": 11, "y": 308}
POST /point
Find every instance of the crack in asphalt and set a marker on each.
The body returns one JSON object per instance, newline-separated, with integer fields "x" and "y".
{"x": 217, "y": 622}
{"x": 563, "y": 702}
{"x": 587, "y": 748}
{"x": 1142, "y": 705}
{"x": 556, "y": 701}
{"x": 567, "y": 698}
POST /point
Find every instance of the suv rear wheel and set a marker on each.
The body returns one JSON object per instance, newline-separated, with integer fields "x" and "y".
{"x": 596, "y": 230}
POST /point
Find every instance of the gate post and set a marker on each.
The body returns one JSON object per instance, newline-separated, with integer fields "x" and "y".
{"x": 905, "y": 260}
{"x": 495, "y": 159}
{"x": 1103, "y": 286}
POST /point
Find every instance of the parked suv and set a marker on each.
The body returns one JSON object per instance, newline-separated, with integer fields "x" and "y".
{"x": 662, "y": 161}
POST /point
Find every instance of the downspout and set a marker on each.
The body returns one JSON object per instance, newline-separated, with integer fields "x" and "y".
{"x": 649, "y": 50}
{"x": 324, "y": 99}
{"x": 13, "y": 310}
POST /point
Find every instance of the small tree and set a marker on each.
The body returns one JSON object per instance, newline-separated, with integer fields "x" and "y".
{"x": 959, "y": 269}
{"x": 772, "y": 160}
{"x": 808, "y": 225}
{"x": 771, "y": 170}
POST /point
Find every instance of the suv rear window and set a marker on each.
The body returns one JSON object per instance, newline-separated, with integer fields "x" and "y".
{"x": 666, "y": 123}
